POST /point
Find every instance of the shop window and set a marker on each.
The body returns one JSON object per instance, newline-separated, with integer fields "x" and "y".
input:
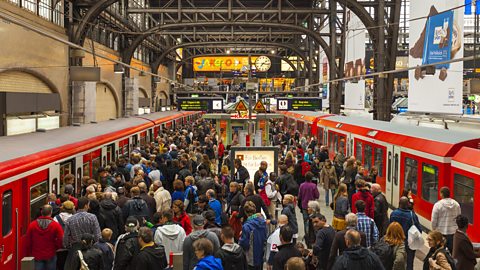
{"x": 358, "y": 151}
{"x": 367, "y": 155}
{"x": 430, "y": 182}
{"x": 378, "y": 157}
{"x": 463, "y": 193}
{"x": 411, "y": 174}
{"x": 7, "y": 210}
{"x": 38, "y": 195}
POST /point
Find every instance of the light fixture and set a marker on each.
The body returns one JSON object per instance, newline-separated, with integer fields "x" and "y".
{"x": 316, "y": 51}
{"x": 117, "y": 68}
{"x": 228, "y": 51}
{"x": 272, "y": 51}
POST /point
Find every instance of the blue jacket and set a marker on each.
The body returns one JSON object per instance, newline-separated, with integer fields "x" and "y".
{"x": 209, "y": 263}
{"x": 253, "y": 239}
{"x": 404, "y": 217}
{"x": 217, "y": 208}
{"x": 289, "y": 211}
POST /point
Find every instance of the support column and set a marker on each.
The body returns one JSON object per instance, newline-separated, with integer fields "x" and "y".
{"x": 335, "y": 96}
{"x": 382, "y": 105}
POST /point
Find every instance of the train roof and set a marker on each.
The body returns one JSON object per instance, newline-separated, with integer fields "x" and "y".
{"x": 66, "y": 141}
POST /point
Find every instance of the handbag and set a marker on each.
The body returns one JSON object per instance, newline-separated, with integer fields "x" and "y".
{"x": 83, "y": 264}
{"x": 263, "y": 195}
{"x": 338, "y": 224}
{"x": 415, "y": 239}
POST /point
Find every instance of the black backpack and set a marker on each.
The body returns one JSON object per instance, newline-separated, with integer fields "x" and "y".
{"x": 385, "y": 252}
{"x": 449, "y": 257}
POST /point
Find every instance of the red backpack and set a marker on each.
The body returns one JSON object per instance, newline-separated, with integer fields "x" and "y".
{"x": 305, "y": 168}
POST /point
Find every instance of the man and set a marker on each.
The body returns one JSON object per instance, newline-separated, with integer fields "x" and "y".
{"x": 273, "y": 241}
{"x": 406, "y": 218}
{"x": 250, "y": 196}
{"x": 443, "y": 216}
{"x": 355, "y": 256}
{"x": 44, "y": 238}
{"x": 463, "y": 250}
{"x": 381, "y": 210}
{"x": 184, "y": 171}
{"x": 104, "y": 177}
{"x": 136, "y": 207}
{"x": 212, "y": 225}
{"x": 122, "y": 199}
{"x": 127, "y": 246}
{"x": 366, "y": 224}
{"x": 151, "y": 203}
{"x": 308, "y": 192}
{"x": 260, "y": 177}
{"x": 162, "y": 197}
{"x": 323, "y": 243}
{"x": 170, "y": 235}
{"x": 363, "y": 194}
{"x": 191, "y": 196}
{"x": 241, "y": 175}
{"x": 110, "y": 216}
{"x": 77, "y": 225}
{"x": 52, "y": 201}
{"x": 231, "y": 253}
{"x": 189, "y": 258}
{"x": 235, "y": 198}
{"x": 151, "y": 256}
{"x": 339, "y": 245}
{"x": 254, "y": 235}
{"x": 221, "y": 153}
{"x": 155, "y": 173}
{"x": 286, "y": 250}
{"x": 215, "y": 205}
{"x": 69, "y": 191}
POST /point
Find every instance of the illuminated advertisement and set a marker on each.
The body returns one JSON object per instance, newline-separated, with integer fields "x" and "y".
{"x": 222, "y": 63}
{"x": 252, "y": 156}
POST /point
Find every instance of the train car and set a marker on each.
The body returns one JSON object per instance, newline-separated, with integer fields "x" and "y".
{"x": 35, "y": 167}
{"x": 419, "y": 159}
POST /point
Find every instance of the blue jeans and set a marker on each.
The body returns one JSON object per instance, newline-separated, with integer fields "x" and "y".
{"x": 410, "y": 257}
{"x": 46, "y": 264}
{"x": 327, "y": 196}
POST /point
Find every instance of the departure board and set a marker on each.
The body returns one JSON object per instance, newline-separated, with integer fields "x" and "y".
{"x": 299, "y": 104}
{"x": 200, "y": 104}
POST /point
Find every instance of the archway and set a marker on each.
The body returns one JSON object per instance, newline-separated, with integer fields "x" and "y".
{"x": 106, "y": 106}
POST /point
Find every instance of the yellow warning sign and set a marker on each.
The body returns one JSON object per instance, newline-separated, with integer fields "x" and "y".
{"x": 241, "y": 107}
{"x": 259, "y": 107}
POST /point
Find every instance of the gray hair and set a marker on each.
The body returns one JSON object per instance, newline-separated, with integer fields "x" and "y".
{"x": 315, "y": 205}
{"x": 351, "y": 220}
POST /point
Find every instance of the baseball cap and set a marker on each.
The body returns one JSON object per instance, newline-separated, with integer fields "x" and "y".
{"x": 68, "y": 205}
{"x": 198, "y": 220}
{"x": 131, "y": 221}
{"x": 68, "y": 189}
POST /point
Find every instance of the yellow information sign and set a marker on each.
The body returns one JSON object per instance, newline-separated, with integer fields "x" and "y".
{"x": 259, "y": 107}
{"x": 222, "y": 63}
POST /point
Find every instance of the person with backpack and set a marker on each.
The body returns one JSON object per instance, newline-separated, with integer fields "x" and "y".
{"x": 438, "y": 257}
{"x": 391, "y": 249}
{"x": 286, "y": 182}
{"x": 191, "y": 196}
{"x": 88, "y": 257}
{"x": 136, "y": 207}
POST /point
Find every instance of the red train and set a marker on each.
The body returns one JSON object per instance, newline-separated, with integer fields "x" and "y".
{"x": 419, "y": 158}
{"x": 32, "y": 165}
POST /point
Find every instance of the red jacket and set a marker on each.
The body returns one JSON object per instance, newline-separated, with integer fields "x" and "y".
{"x": 184, "y": 221}
{"x": 367, "y": 197}
{"x": 221, "y": 150}
{"x": 44, "y": 237}
{"x": 70, "y": 198}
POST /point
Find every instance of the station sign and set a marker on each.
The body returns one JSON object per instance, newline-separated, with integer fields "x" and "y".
{"x": 299, "y": 104}
{"x": 223, "y": 63}
{"x": 200, "y": 104}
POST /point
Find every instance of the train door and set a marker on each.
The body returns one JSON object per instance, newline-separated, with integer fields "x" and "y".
{"x": 10, "y": 197}
{"x": 393, "y": 175}
{"x": 54, "y": 173}
{"x": 66, "y": 167}
{"x": 79, "y": 174}
{"x": 108, "y": 154}
{"x": 349, "y": 148}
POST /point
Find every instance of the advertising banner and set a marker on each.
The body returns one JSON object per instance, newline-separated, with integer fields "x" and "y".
{"x": 324, "y": 79}
{"x": 436, "y": 38}
{"x": 252, "y": 156}
{"x": 355, "y": 63}
{"x": 222, "y": 63}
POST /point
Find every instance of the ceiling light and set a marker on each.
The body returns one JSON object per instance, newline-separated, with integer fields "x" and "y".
{"x": 273, "y": 51}
{"x": 228, "y": 51}
{"x": 117, "y": 68}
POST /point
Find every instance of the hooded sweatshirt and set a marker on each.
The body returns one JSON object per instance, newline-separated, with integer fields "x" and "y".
{"x": 189, "y": 258}
{"x": 367, "y": 197}
{"x": 136, "y": 207}
{"x": 358, "y": 258}
{"x": 44, "y": 237}
{"x": 253, "y": 238}
{"x": 110, "y": 216}
{"x": 184, "y": 221}
{"x": 443, "y": 216}
{"x": 150, "y": 257}
{"x": 209, "y": 263}
{"x": 232, "y": 257}
{"x": 171, "y": 236}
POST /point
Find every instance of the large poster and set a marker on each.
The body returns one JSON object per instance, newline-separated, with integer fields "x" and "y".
{"x": 324, "y": 79}
{"x": 354, "y": 63}
{"x": 434, "y": 40}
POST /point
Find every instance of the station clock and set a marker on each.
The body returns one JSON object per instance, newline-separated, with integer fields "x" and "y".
{"x": 263, "y": 63}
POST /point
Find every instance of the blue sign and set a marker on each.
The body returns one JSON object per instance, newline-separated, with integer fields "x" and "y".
{"x": 438, "y": 40}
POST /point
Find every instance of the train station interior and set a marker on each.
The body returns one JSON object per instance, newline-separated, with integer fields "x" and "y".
{"x": 391, "y": 86}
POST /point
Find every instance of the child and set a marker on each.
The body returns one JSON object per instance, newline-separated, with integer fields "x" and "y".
{"x": 106, "y": 248}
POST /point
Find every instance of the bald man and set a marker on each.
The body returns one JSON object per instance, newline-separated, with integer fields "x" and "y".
{"x": 380, "y": 210}
{"x": 356, "y": 256}
{"x": 273, "y": 240}
{"x": 151, "y": 203}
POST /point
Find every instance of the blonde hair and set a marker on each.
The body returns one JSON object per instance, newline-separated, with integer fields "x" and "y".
{"x": 342, "y": 190}
{"x": 395, "y": 234}
{"x": 224, "y": 169}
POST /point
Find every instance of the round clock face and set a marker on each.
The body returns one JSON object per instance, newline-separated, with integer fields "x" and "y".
{"x": 263, "y": 63}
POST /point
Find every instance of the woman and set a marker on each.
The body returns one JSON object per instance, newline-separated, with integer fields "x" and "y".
{"x": 224, "y": 182}
{"x": 181, "y": 217}
{"x": 289, "y": 159}
{"x": 349, "y": 174}
{"x": 178, "y": 193}
{"x": 340, "y": 207}
{"x": 205, "y": 165}
{"x": 395, "y": 238}
{"x": 436, "y": 258}
{"x": 328, "y": 177}
{"x": 203, "y": 249}
{"x": 88, "y": 256}
{"x": 372, "y": 174}
{"x": 313, "y": 208}
{"x": 236, "y": 198}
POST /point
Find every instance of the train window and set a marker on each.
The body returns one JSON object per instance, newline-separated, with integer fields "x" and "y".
{"x": 38, "y": 195}
{"x": 335, "y": 143}
{"x": 7, "y": 210}
{"x": 463, "y": 192}
{"x": 86, "y": 169}
{"x": 411, "y": 174}
{"x": 395, "y": 172}
{"x": 389, "y": 169}
{"x": 378, "y": 157}
{"x": 95, "y": 166}
{"x": 358, "y": 151}
{"x": 341, "y": 144}
{"x": 430, "y": 182}
{"x": 367, "y": 155}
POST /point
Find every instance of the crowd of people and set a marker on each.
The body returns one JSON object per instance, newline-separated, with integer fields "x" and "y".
{"x": 177, "y": 195}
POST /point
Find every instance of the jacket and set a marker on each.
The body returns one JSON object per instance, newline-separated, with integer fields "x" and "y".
{"x": 339, "y": 245}
{"x": 209, "y": 263}
{"x": 110, "y": 216}
{"x": 400, "y": 260}
{"x": 125, "y": 250}
{"x": 184, "y": 221}
{"x": 217, "y": 208}
{"x": 287, "y": 184}
{"x": 151, "y": 203}
{"x": 107, "y": 253}
{"x": 189, "y": 258}
{"x": 463, "y": 251}
{"x": 44, "y": 237}
{"x": 381, "y": 213}
{"x": 242, "y": 175}
{"x": 171, "y": 237}
{"x": 328, "y": 178}
{"x": 150, "y": 257}
{"x": 232, "y": 256}
{"x": 358, "y": 258}
{"x": 406, "y": 218}
{"x": 253, "y": 238}
{"x": 136, "y": 207}
{"x": 440, "y": 261}
{"x": 322, "y": 246}
{"x": 235, "y": 202}
{"x": 183, "y": 173}
{"x": 285, "y": 252}
{"x": 92, "y": 257}
{"x": 289, "y": 211}
{"x": 367, "y": 197}
{"x": 259, "y": 203}
{"x": 341, "y": 207}
{"x": 163, "y": 199}
{"x": 308, "y": 192}
{"x": 443, "y": 216}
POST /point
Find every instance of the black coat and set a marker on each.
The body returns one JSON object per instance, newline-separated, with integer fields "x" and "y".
{"x": 322, "y": 246}
{"x": 236, "y": 202}
{"x": 136, "y": 207}
{"x": 151, "y": 203}
{"x": 381, "y": 213}
{"x": 339, "y": 246}
{"x": 110, "y": 216}
{"x": 152, "y": 257}
{"x": 232, "y": 257}
{"x": 125, "y": 250}
{"x": 93, "y": 258}
{"x": 259, "y": 203}
{"x": 358, "y": 258}
{"x": 285, "y": 252}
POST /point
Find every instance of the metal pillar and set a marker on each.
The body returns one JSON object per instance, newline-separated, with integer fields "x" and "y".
{"x": 335, "y": 96}
{"x": 382, "y": 105}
